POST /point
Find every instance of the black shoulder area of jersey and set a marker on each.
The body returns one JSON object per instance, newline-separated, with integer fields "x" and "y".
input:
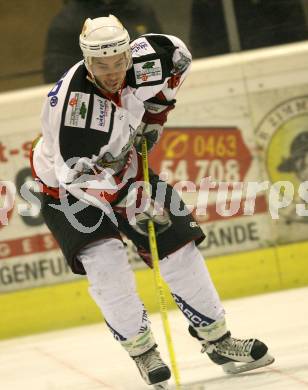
{"x": 164, "y": 50}
{"x": 81, "y": 141}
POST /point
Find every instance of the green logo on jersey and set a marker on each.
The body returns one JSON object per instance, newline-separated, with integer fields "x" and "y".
{"x": 83, "y": 110}
{"x": 148, "y": 65}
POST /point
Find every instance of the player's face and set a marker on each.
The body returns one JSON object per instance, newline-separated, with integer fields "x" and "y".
{"x": 109, "y": 72}
{"x": 301, "y": 168}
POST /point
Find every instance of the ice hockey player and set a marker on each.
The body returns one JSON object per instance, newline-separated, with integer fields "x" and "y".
{"x": 92, "y": 123}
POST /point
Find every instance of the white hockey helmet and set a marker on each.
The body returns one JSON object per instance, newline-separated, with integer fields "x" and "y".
{"x": 104, "y": 37}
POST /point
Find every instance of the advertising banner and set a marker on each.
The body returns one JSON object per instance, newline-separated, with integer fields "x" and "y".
{"x": 29, "y": 255}
{"x": 213, "y": 164}
{"x": 282, "y": 137}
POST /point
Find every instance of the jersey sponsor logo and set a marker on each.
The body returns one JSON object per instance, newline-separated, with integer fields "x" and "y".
{"x": 73, "y": 101}
{"x": 148, "y": 71}
{"x": 197, "y": 319}
{"x": 141, "y": 47}
{"x": 148, "y": 65}
{"x": 101, "y": 114}
{"x": 77, "y": 109}
{"x": 83, "y": 110}
{"x": 54, "y": 101}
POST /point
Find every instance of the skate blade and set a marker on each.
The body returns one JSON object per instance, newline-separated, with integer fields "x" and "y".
{"x": 161, "y": 386}
{"x": 232, "y": 368}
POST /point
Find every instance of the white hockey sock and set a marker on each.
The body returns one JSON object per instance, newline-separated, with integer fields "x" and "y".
{"x": 191, "y": 285}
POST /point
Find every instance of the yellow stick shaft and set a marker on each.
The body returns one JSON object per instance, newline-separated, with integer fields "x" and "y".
{"x": 157, "y": 276}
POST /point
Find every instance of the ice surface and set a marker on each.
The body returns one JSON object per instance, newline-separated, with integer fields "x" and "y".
{"x": 88, "y": 358}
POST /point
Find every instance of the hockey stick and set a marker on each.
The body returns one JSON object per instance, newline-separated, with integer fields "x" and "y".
{"x": 157, "y": 275}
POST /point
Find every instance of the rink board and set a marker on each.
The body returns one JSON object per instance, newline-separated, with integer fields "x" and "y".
{"x": 66, "y": 305}
{"x": 259, "y": 101}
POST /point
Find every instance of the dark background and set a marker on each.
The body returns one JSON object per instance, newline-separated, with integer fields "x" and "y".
{"x": 40, "y": 37}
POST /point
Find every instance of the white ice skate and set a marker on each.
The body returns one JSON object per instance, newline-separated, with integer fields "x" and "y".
{"x": 236, "y": 355}
{"x": 153, "y": 370}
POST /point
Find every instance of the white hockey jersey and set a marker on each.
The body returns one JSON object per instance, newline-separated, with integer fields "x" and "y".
{"x": 81, "y": 126}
